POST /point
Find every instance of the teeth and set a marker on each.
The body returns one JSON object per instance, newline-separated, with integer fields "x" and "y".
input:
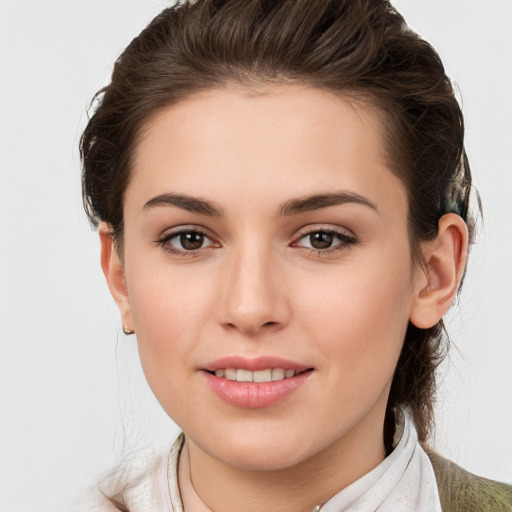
{"x": 244, "y": 376}
{"x": 230, "y": 374}
{"x": 268, "y": 375}
{"x": 278, "y": 374}
{"x": 263, "y": 376}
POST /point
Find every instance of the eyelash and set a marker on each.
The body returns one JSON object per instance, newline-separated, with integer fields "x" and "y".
{"x": 345, "y": 241}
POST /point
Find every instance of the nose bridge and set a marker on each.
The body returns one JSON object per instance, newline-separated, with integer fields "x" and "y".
{"x": 253, "y": 296}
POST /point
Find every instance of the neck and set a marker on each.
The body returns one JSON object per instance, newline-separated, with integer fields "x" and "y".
{"x": 214, "y": 485}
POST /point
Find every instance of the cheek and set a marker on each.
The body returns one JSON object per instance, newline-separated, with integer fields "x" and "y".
{"x": 169, "y": 312}
{"x": 167, "y": 302}
{"x": 359, "y": 317}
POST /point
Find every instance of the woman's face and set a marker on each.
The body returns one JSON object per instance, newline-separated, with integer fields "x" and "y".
{"x": 266, "y": 237}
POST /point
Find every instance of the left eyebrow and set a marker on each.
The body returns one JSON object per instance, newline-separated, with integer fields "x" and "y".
{"x": 318, "y": 201}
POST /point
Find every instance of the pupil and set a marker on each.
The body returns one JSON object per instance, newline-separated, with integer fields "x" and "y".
{"x": 191, "y": 241}
{"x": 321, "y": 240}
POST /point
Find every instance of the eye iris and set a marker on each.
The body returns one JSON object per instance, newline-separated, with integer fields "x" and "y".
{"x": 321, "y": 240}
{"x": 191, "y": 241}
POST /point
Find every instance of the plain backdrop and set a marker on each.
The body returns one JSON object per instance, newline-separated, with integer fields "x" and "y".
{"x": 72, "y": 396}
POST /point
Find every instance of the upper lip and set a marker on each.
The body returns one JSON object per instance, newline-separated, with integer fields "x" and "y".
{"x": 253, "y": 364}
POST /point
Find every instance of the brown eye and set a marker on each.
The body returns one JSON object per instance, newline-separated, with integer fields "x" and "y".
{"x": 325, "y": 241}
{"x": 191, "y": 241}
{"x": 183, "y": 242}
{"x": 321, "y": 240}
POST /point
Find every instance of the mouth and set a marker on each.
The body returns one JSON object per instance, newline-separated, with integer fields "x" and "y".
{"x": 255, "y": 382}
{"x": 259, "y": 376}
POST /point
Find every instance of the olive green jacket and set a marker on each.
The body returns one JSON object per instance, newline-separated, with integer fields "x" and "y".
{"x": 461, "y": 491}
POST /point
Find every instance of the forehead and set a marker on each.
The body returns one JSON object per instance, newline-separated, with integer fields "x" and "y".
{"x": 282, "y": 141}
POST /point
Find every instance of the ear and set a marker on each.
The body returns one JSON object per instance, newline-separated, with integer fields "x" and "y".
{"x": 113, "y": 269}
{"x": 437, "y": 282}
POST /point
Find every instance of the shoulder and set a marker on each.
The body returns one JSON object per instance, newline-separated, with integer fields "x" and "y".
{"x": 462, "y": 491}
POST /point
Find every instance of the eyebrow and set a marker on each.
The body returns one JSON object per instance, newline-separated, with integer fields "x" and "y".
{"x": 318, "y": 201}
{"x": 288, "y": 209}
{"x": 185, "y": 202}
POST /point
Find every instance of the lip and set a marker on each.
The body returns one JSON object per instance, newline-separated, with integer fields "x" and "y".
{"x": 253, "y": 364}
{"x": 254, "y": 395}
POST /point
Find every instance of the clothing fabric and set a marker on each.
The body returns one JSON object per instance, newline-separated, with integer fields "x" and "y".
{"x": 461, "y": 491}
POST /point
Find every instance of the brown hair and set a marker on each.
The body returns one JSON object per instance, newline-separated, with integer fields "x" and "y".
{"x": 362, "y": 48}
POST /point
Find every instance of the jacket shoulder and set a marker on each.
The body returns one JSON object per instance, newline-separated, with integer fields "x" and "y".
{"x": 462, "y": 491}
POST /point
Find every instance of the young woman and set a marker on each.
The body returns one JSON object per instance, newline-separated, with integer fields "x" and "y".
{"x": 281, "y": 192}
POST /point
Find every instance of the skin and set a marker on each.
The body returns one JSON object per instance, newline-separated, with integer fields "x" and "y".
{"x": 255, "y": 287}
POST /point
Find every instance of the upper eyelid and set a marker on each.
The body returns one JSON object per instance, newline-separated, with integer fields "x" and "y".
{"x": 178, "y": 230}
{"x": 327, "y": 228}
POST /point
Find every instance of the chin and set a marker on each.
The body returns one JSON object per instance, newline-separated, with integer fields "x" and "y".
{"x": 258, "y": 458}
{"x": 262, "y": 449}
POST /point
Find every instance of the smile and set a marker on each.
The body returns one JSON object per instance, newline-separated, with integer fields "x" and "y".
{"x": 255, "y": 383}
{"x": 268, "y": 375}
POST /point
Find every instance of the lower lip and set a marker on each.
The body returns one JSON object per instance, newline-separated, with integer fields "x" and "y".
{"x": 255, "y": 395}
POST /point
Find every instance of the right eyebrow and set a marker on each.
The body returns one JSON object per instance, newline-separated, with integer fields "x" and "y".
{"x": 185, "y": 202}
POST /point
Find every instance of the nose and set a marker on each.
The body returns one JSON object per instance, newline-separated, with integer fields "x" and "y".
{"x": 253, "y": 298}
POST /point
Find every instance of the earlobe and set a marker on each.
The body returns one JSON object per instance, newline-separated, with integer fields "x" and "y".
{"x": 437, "y": 282}
{"x": 113, "y": 269}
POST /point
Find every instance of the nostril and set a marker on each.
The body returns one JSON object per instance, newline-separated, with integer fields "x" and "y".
{"x": 252, "y": 329}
